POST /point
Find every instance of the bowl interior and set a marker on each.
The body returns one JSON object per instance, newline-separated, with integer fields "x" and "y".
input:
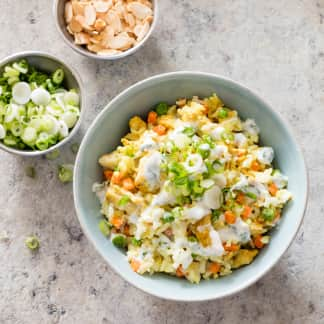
{"x": 59, "y": 8}
{"x": 48, "y": 64}
{"x": 104, "y": 135}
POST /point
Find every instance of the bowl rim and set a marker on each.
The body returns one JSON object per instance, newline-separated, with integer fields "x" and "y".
{"x": 89, "y": 54}
{"x": 26, "y": 54}
{"x": 107, "y": 108}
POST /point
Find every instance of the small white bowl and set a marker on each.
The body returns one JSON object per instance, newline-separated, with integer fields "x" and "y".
{"x": 58, "y": 11}
{"x": 47, "y": 63}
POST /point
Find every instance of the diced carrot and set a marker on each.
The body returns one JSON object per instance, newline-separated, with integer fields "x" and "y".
{"x": 214, "y": 267}
{"x": 135, "y": 264}
{"x": 108, "y": 174}
{"x": 255, "y": 166}
{"x": 257, "y": 242}
{"x": 179, "y": 271}
{"x": 230, "y": 217}
{"x": 273, "y": 189}
{"x": 159, "y": 129}
{"x": 128, "y": 184}
{"x": 240, "y": 198}
{"x": 231, "y": 248}
{"x": 116, "y": 178}
{"x": 117, "y": 221}
{"x": 246, "y": 212}
{"x": 241, "y": 152}
{"x": 278, "y": 215}
{"x": 152, "y": 117}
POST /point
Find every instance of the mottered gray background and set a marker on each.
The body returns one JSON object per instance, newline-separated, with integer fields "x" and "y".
{"x": 274, "y": 47}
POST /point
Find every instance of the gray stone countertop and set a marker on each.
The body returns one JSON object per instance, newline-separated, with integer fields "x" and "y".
{"x": 274, "y": 47}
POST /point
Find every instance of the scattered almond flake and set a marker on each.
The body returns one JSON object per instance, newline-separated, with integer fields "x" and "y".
{"x": 139, "y": 10}
{"x": 90, "y": 15}
{"x": 108, "y": 27}
{"x": 68, "y": 12}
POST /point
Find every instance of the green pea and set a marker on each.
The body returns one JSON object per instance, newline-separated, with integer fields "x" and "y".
{"x": 268, "y": 214}
{"x": 119, "y": 241}
{"x": 222, "y": 113}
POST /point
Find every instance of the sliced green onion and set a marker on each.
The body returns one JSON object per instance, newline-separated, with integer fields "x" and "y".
{"x": 53, "y": 154}
{"x": 167, "y": 218}
{"x": 104, "y": 227}
{"x": 21, "y": 66}
{"x": 69, "y": 118}
{"x": 215, "y": 215}
{"x": 30, "y": 171}
{"x": 192, "y": 239}
{"x": 65, "y": 172}
{"x": 75, "y": 148}
{"x": 251, "y": 195}
{"x": 2, "y": 132}
{"x": 40, "y": 96}
{"x": 119, "y": 241}
{"x": 71, "y": 98}
{"x": 10, "y": 140}
{"x": 21, "y": 92}
{"x": 32, "y": 242}
{"x": 136, "y": 242}
{"x": 124, "y": 200}
{"x": 162, "y": 108}
{"x": 58, "y": 76}
{"x": 189, "y": 131}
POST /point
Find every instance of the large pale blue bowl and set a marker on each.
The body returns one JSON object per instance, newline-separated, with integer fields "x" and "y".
{"x": 111, "y": 124}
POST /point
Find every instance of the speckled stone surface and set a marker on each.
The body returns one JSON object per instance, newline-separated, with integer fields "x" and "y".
{"x": 275, "y": 47}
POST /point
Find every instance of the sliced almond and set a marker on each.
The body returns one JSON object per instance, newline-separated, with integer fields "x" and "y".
{"x": 108, "y": 52}
{"x": 119, "y": 7}
{"x": 149, "y": 19}
{"x": 102, "y": 6}
{"x": 139, "y": 10}
{"x": 141, "y": 30}
{"x": 68, "y": 12}
{"x": 75, "y": 25}
{"x": 94, "y": 48}
{"x": 97, "y": 39}
{"x": 81, "y": 38}
{"x": 146, "y": 3}
{"x": 90, "y": 15}
{"x": 113, "y": 20}
{"x": 78, "y": 8}
{"x": 100, "y": 24}
{"x": 122, "y": 41}
{"x": 130, "y": 20}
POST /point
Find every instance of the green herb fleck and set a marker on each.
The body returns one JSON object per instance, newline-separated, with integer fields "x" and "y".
{"x": 168, "y": 218}
{"x": 162, "y": 108}
{"x": 104, "y": 227}
{"x": 215, "y": 215}
{"x": 136, "y": 242}
{"x": 251, "y": 195}
{"x": 53, "y": 154}
{"x": 65, "y": 173}
{"x": 32, "y": 242}
{"x": 124, "y": 201}
{"x": 189, "y": 131}
{"x": 30, "y": 172}
{"x": 75, "y": 148}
